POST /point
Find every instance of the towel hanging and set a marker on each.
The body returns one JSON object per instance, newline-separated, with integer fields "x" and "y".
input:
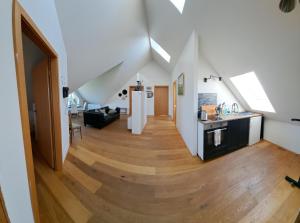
{"x": 217, "y": 137}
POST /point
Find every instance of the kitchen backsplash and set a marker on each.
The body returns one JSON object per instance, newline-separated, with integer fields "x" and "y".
{"x": 207, "y": 99}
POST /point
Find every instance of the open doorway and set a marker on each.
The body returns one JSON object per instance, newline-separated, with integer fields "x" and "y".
{"x": 36, "y": 64}
{"x": 38, "y": 91}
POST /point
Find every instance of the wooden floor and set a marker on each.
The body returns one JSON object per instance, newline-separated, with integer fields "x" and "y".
{"x": 113, "y": 176}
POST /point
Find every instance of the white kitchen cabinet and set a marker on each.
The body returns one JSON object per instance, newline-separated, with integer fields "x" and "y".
{"x": 200, "y": 142}
{"x": 255, "y": 129}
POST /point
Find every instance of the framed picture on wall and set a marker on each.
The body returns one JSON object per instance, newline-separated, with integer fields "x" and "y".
{"x": 149, "y": 92}
{"x": 181, "y": 84}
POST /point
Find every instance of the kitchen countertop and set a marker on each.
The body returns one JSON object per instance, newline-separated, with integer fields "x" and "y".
{"x": 230, "y": 117}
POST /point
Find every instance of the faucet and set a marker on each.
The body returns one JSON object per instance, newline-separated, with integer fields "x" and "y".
{"x": 222, "y": 107}
{"x": 235, "y": 108}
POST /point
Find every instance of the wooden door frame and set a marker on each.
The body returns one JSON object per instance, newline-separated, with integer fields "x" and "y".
{"x": 174, "y": 101}
{"x": 23, "y": 22}
{"x": 130, "y": 99}
{"x": 3, "y": 211}
{"x": 161, "y": 86}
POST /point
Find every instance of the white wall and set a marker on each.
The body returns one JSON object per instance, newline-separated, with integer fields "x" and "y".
{"x": 101, "y": 34}
{"x": 98, "y": 90}
{"x": 186, "y": 115}
{"x": 224, "y": 94}
{"x": 195, "y": 67}
{"x": 151, "y": 74}
{"x": 238, "y": 37}
{"x": 236, "y": 40}
{"x": 154, "y": 75}
{"x": 283, "y": 134}
{"x": 13, "y": 175}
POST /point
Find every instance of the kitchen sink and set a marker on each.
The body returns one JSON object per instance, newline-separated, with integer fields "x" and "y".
{"x": 245, "y": 113}
{"x": 216, "y": 119}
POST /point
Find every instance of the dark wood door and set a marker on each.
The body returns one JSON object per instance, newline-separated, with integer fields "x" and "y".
{"x": 43, "y": 123}
{"x": 161, "y": 100}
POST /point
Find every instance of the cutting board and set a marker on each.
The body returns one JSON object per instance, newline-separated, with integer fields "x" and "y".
{"x": 210, "y": 109}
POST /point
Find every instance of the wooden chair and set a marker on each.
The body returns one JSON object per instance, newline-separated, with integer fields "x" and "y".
{"x": 74, "y": 110}
{"x": 73, "y": 127}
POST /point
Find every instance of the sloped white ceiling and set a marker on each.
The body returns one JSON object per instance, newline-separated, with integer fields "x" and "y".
{"x": 98, "y": 90}
{"x": 101, "y": 34}
{"x": 237, "y": 37}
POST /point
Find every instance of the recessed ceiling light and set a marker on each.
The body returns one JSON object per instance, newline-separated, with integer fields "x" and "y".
{"x": 160, "y": 50}
{"x": 253, "y": 92}
{"x": 179, "y": 4}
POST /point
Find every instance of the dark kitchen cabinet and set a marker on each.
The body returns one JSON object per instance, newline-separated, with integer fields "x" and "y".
{"x": 238, "y": 133}
{"x": 211, "y": 150}
{"x": 234, "y": 136}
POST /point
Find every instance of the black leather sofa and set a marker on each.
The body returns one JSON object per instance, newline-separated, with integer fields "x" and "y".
{"x": 100, "y": 117}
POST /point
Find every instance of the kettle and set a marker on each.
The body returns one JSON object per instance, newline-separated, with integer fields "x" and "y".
{"x": 204, "y": 115}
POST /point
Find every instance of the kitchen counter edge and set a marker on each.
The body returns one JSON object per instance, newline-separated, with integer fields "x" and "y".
{"x": 229, "y": 118}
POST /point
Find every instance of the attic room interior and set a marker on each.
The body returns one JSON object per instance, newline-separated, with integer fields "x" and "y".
{"x": 150, "y": 111}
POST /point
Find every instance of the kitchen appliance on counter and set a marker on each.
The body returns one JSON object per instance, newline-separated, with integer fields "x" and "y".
{"x": 204, "y": 116}
{"x": 205, "y": 111}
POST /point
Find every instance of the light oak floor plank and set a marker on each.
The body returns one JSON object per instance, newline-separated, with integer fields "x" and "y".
{"x": 88, "y": 182}
{"x": 68, "y": 201}
{"x": 115, "y": 176}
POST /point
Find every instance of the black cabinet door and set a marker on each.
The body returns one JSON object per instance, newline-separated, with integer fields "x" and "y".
{"x": 238, "y": 133}
{"x": 244, "y": 132}
{"x": 234, "y": 129}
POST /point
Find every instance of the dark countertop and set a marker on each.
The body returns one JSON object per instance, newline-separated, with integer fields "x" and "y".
{"x": 230, "y": 117}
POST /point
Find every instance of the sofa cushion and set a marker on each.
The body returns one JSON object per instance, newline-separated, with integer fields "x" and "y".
{"x": 111, "y": 112}
{"x": 93, "y": 106}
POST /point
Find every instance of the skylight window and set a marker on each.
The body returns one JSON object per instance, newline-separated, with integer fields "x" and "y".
{"x": 179, "y": 4}
{"x": 160, "y": 50}
{"x": 252, "y": 91}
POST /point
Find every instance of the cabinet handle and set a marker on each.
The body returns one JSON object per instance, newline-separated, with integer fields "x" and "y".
{"x": 295, "y": 120}
{"x": 216, "y": 129}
